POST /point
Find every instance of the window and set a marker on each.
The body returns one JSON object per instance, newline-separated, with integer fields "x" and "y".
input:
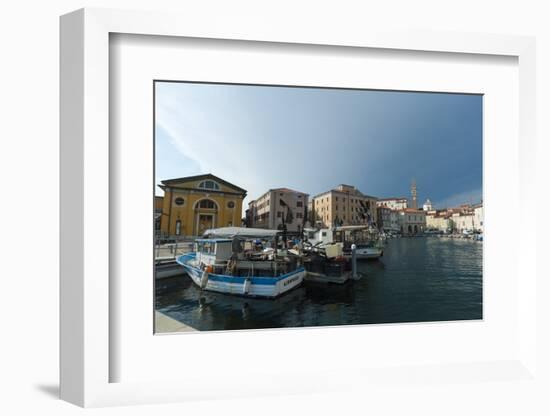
{"x": 205, "y": 247}
{"x": 209, "y": 185}
{"x": 207, "y": 204}
{"x": 178, "y": 227}
{"x": 299, "y": 204}
{"x": 299, "y": 215}
{"x": 179, "y": 201}
{"x": 231, "y": 204}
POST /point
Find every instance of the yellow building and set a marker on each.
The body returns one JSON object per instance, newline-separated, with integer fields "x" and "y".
{"x": 159, "y": 202}
{"x": 194, "y": 204}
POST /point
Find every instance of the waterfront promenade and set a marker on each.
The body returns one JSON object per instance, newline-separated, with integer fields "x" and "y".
{"x": 165, "y": 324}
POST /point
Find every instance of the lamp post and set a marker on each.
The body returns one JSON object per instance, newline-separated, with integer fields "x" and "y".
{"x": 354, "y": 262}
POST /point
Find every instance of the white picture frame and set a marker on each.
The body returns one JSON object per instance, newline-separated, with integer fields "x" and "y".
{"x": 85, "y": 211}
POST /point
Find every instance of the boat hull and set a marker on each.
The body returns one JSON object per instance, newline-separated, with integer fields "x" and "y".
{"x": 167, "y": 270}
{"x": 256, "y": 286}
{"x": 368, "y": 253}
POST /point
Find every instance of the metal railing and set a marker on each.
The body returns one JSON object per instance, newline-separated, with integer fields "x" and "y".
{"x": 167, "y": 247}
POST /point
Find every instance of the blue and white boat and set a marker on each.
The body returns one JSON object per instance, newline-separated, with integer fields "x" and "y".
{"x": 243, "y": 261}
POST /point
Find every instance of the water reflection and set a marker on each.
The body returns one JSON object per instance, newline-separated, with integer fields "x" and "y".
{"x": 418, "y": 279}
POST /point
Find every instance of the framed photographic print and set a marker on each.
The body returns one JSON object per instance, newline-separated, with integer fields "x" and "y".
{"x": 310, "y": 247}
{"x": 292, "y": 208}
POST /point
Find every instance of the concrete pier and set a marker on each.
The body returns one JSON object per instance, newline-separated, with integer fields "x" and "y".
{"x": 165, "y": 324}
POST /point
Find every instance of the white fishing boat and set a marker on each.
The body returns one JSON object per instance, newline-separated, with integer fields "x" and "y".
{"x": 369, "y": 251}
{"x": 243, "y": 261}
{"x": 368, "y": 243}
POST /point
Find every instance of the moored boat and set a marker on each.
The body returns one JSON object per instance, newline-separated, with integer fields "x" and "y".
{"x": 368, "y": 242}
{"x": 367, "y": 251}
{"x": 326, "y": 263}
{"x": 167, "y": 269}
{"x": 243, "y": 261}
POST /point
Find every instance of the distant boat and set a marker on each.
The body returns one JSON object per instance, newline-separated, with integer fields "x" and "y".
{"x": 243, "y": 261}
{"x": 367, "y": 251}
{"x": 368, "y": 242}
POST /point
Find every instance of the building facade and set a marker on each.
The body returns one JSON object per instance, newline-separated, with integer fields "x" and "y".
{"x": 463, "y": 218}
{"x": 412, "y": 221}
{"x": 393, "y": 203}
{"x": 278, "y": 206}
{"x": 194, "y": 204}
{"x": 343, "y": 205}
{"x": 478, "y": 217}
{"x": 388, "y": 219}
{"x": 438, "y": 221}
{"x": 463, "y": 221}
{"x": 159, "y": 202}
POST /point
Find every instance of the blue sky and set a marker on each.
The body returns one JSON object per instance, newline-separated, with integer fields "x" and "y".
{"x": 312, "y": 139}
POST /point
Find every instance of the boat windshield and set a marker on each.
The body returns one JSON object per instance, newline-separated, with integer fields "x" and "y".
{"x": 206, "y": 247}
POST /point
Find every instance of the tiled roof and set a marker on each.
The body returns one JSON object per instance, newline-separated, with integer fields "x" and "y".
{"x": 287, "y": 190}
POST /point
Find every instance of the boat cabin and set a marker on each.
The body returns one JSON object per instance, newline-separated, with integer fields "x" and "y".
{"x": 243, "y": 252}
{"x": 321, "y": 236}
{"x": 218, "y": 245}
{"x": 213, "y": 251}
{"x": 343, "y": 234}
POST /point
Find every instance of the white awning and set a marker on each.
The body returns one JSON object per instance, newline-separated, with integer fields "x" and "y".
{"x": 351, "y": 227}
{"x": 230, "y": 232}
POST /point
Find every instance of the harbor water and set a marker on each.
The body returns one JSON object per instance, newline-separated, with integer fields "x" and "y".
{"x": 417, "y": 280}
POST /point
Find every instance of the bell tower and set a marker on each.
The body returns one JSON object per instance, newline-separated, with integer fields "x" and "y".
{"x": 414, "y": 204}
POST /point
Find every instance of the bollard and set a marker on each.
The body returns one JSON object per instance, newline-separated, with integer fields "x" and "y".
{"x": 354, "y": 261}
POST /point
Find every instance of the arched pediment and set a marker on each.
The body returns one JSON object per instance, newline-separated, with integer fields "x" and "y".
{"x": 206, "y": 203}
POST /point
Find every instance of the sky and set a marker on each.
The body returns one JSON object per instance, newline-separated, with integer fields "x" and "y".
{"x": 313, "y": 139}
